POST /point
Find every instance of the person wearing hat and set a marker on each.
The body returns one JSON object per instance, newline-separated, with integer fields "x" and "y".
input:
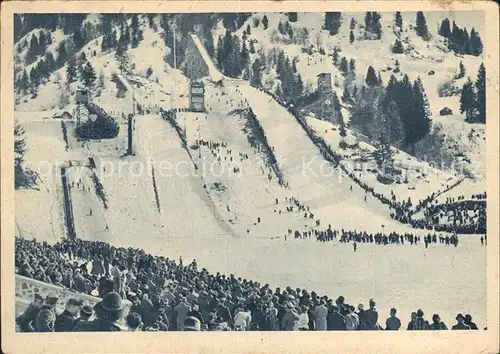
{"x": 46, "y": 318}
{"x": 66, "y": 320}
{"x": 191, "y": 324}
{"x": 195, "y": 312}
{"x": 223, "y": 311}
{"x": 437, "y": 324}
{"x": 134, "y": 322}
{"x": 290, "y": 319}
{"x": 85, "y": 313}
{"x": 351, "y": 319}
{"x": 25, "y": 320}
{"x": 242, "y": 318}
{"x": 320, "y": 316}
{"x": 182, "y": 310}
{"x": 335, "y": 320}
{"x": 108, "y": 312}
{"x": 468, "y": 322}
{"x": 460, "y": 323}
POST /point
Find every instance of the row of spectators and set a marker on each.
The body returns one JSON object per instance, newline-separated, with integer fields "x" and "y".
{"x": 344, "y": 236}
{"x": 168, "y": 295}
{"x": 112, "y": 315}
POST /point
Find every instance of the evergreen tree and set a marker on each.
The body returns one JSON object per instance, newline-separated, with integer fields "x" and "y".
{"x": 33, "y": 50}
{"x": 397, "y": 48}
{"x": 71, "y": 70}
{"x": 252, "y": 48}
{"x": 351, "y": 37}
{"x": 18, "y": 27}
{"x": 344, "y": 66}
{"x": 376, "y": 26}
{"x": 368, "y": 20}
{"x": 481, "y": 94}
{"x": 371, "y": 77}
{"x": 50, "y": 62}
{"x": 476, "y": 45}
{"x": 62, "y": 54}
{"x": 421, "y": 26}
{"x": 24, "y": 82}
{"x": 256, "y": 78}
{"x": 335, "y": 56}
{"x": 444, "y": 29}
{"x": 398, "y": 20}
{"x": 134, "y": 28}
{"x": 461, "y": 69}
{"x": 294, "y": 66}
{"x": 265, "y": 22}
{"x": 245, "y": 56}
{"x": 352, "y": 66}
{"x": 468, "y": 100}
{"x": 88, "y": 75}
{"x": 346, "y": 95}
{"x": 420, "y": 122}
{"x": 379, "y": 79}
{"x": 19, "y": 151}
{"x": 35, "y": 79}
{"x": 342, "y": 128}
{"x": 363, "y": 112}
{"x": 333, "y": 20}
{"x": 352, "y": 25}
{"x": 220, "y": 55}
{"x": 42, "y": 42}
{"x": 249, "y": 30}
{"x": 281, "y": 28}
{"x": 78, "y": 38}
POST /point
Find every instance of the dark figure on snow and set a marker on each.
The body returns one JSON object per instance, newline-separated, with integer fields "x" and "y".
{"x": 482, "y": 241}
{"x": 355, "y": 246}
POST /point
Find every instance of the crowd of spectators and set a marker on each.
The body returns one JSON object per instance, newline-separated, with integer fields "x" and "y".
{"x": 170, "y": 296}
{"x": 402, "y": 210}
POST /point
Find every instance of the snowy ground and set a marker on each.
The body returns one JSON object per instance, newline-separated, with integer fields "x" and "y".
{"x": 194, "y": 222}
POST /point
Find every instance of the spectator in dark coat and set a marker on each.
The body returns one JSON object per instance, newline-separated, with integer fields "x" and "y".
{"x": 223, "y": 312}
{"x": 147, "y": 311}
{"x": 134, "y": 322}
{"x": 66, "y": 320}
{"x": 460, "y": 323}
{"x": 335, "y": 320}
{"x": 46, "y": 318}
{"x": 393, "y": 323}
{"x": 108, "y": 313}
{"x": 361, "y": 316}
{"x": 25, "y": 321}
{"x": 370, "y": 317}
{"x": 468, "y": 322}
{"x": 195, "y": 312}
{"x": 437, "y": 325}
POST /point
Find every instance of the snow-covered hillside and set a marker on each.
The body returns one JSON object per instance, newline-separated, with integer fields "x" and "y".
{"x": 220, "y": 200}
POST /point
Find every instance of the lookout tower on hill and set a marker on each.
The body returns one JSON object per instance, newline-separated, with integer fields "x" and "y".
{"x": 325, "y": 89}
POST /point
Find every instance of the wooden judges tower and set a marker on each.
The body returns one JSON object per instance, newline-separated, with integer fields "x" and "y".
{"x": 196, "y": 96}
